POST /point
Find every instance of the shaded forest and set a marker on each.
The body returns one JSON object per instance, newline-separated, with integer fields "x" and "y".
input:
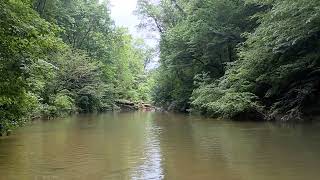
{"x": 237, "y": 59}
{"x": 59, "y": 57}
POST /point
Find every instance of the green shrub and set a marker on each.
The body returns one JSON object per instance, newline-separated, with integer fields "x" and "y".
{"x": 64, "y": 104}
{"x": 48, "y": 111}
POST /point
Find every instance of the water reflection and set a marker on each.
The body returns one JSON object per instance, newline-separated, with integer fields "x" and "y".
{"x": 144, "y": 145}
{"x": 151, "y": 167}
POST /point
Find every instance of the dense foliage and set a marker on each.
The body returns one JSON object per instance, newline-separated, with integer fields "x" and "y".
{"x": 63, "y": 56}
{"x": 224, "y": 58}
{"x": 237, "y": 58}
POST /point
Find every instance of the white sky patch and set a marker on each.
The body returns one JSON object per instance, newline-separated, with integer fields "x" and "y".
{"x": 122, "y": 12}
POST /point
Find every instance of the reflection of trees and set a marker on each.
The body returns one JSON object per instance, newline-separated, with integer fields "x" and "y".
{"x": 86, "y": 147}
{"x": 32, "y": 151}
{"x": 143, "y": 145}
{"x": 206, "y": 149}
{"x": 189, "y": 150}
{"x": 260, "y": 151}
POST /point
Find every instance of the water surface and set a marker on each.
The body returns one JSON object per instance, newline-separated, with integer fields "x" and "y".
{"x": 148, "y": 145}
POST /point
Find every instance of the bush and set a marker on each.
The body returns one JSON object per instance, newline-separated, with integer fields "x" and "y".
{"x": 64, "y": 104}
{"x": 215, "y": 101}
{"x": 48, "y": 111}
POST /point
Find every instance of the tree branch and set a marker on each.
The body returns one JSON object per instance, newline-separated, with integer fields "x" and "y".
{"x": 174, "y": 2}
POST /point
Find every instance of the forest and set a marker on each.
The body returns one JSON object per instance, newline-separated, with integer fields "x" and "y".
{"x": 59, "y": 57}
{"x": 235, "y": 59}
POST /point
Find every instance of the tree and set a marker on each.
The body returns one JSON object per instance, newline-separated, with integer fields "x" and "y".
{"x": 196, "y": 37}
{"x": 276, "y": 71}
{"x": 62, "y": 56}
{"x": 24, "y": 38}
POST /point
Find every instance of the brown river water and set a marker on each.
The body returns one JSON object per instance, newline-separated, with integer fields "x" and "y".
{"x": 150, "y": 145}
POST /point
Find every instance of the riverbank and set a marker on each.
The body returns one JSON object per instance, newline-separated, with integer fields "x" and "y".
{"x": 308, "y": 111}
{"x": 120, "y": 105}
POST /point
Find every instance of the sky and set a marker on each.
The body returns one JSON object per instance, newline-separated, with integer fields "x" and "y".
{"x": 122, "y": 14}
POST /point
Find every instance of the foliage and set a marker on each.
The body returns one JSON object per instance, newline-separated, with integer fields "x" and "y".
{"x": 24, "y": 37}
{"x": 276, "y": 56}
{"x": 196, "y": 37}
{"x": 58, "y": 57}
{"x": 231, "y": 57}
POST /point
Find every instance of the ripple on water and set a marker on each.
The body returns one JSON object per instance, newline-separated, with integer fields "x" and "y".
{"x": 147, "y": 145}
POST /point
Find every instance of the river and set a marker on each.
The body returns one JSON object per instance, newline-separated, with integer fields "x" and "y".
{"x": 151, "y": 145}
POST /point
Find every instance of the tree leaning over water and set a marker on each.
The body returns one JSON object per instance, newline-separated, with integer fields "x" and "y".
{"x": 63, "y": 56}
{"x": 224, "y": 58}
{"x": 237, "y": 58}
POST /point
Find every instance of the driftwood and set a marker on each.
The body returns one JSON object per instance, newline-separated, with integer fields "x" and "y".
{"x": 127, "y": 105}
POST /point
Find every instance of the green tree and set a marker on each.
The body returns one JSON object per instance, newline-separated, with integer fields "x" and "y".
{"x": 197, "y": 36}
{"x": 277, "y": 65}
{"x": 24, "y": 39}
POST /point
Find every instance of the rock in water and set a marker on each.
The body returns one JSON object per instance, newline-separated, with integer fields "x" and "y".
{"x": 9, "y": 132}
